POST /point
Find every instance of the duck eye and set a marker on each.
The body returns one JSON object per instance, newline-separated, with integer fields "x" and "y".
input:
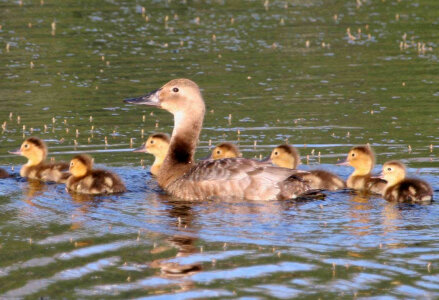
{"x": 175, "y": 90}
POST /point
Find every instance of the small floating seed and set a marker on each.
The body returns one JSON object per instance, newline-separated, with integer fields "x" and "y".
{"x": 254, "y": 144}
{"x": 131, "y": 142}
{"x": 143, "y": 118}
{"x": 8, "y": 46}
{"x": 431, "y": 145}
{"x": 214, "y": 37}
{"x": 106, "y": 141}
{"x": 307, "y": 43}
{"x": 32, "y": 65}
{"x": 156, "y": 124}
{"x": 75, "y": 142}
{"x": 143, "y": 11}
{"x": 18, "y": 119}
{"x": 91, "y": 118}
{"x": 77, "y": 133}
{"x": 67, "y": 130}
{"x": 232, "y": 21}
{"x": 10, "y": 116}
{"x": 29, "y": 25}
{"x": 151, "y": 113}
{"x": 210, "y": 143}
{"x": 65, "y": 122}
{"x": 31, "y": 130}
{"x": 89, "y": 140}
{"x": 282, "y": 22}
{"x": 142, "y": 133}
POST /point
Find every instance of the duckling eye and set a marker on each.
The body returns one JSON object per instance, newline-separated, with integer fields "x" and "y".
{"x": 389, "y": 169}
{"x": 218, "y": 152}
{"x": 152, "y": 142}
{"x": 353, "y": 154}
{"x": 71, "y": 164}
{"x": 276, "y": 153}
{"x": 26, "y": 146}
{"x": 175, "y": 90}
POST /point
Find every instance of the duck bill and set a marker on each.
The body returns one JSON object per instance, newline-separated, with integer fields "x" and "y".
{"x": 140, "y": 149}
{"x": 343, "y": 163}
{"x": 16, "y": 152}
{"x": 266, "y": 159}
{"x": 207, "y": 157}
{"x": 151, "y": 99}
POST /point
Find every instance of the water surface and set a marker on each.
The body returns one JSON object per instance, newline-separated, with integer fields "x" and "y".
{"x": 322, "y": 75}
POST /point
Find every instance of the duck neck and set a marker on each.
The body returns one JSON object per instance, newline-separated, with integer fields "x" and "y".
{"x": 184, "y": 140}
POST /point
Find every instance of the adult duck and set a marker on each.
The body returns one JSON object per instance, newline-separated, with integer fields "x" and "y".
{"x": 181, "y": 177}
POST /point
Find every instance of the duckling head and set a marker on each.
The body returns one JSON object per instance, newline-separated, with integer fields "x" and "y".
{"x": 34, "y": 149}
{"x": 393, "y": 172}
{"x": 361, "y": 158}
{"x": 80, "y": 165}
{"x": 157, "y": 144}
{"x": 285, "y": 156}
{"x": 179, "y": 96}
{"x": 225, "y": 150}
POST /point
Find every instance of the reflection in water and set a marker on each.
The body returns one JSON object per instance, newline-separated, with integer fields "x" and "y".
{"x": 181, "y": 219}
{"x": 33, "y": 189}
{"x": 359, "y": 209}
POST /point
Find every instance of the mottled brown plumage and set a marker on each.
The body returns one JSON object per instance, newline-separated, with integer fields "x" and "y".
{"x": 35, "y": 150}
{"x": 233, "y": 177}
{"x": 287, "y": 156}
{"x": 85, "y": 180}
{"x": 3, "y": 174}
{"x": 401, "y": 189}
{"x": 362, "y": 159}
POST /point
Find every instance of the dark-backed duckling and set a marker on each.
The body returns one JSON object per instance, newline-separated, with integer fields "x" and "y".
{"x": 403, "y": 189}
{"x": 362, "y": 159}
{"x": 287, "y": 156}
{"x": 181, "y": 177}
{"x": 225, "y": 150}
{"x": 85, "y": 180}
{"x": 157, "y": 144}
{"x": 35, "y": 150}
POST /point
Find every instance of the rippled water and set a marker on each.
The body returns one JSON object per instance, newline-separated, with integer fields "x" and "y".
{"x": 283, "y": 70}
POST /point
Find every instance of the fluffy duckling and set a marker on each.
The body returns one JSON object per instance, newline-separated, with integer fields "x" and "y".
{"x": 157, "y": 144}
{"x": 181, "y": 177}
{"x": 225, "y": 150}
{"x": 403, "y": 189}
{"x": 35, "y": 150}
{"x": 287, "y": 156}
{"x": 85, "y": 180}
{"x": 3, "y": 174}
{"x": 362, "y": 159}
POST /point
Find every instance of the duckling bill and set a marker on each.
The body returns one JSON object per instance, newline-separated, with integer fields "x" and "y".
{"x": 86, "y": 180}
{"x": 181, "y": 177}
{"x": 157, "y": 144}
{"x": 35, "y": 150}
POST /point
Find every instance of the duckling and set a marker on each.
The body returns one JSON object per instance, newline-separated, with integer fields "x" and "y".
{"x": 225, "y": 150}
{"x": 157, "y": 144}
{"x": 362, "y": 159}
{"x": 85, "y": 180}
{"x": 286, "y": 156}
{"x": 3, "y": 174}
{"x": 403, "y": 189}
{"x": 181, "y": 177}
{"x": 35, "y": 150}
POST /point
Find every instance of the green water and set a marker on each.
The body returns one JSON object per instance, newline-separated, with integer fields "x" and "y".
{"x": 284, "y": 71}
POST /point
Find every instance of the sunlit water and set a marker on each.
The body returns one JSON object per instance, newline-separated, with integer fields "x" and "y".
{"x": 284, "y": 73}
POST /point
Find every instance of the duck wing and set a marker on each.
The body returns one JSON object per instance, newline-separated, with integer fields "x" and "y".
{"x": 240, "y": 178}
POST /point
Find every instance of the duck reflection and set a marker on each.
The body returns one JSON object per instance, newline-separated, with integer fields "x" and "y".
{"x": 33, "y": 189}
{"x": 181, "y": 218}
{"x": 359, "y": 211}
{"x": 85, "y": 202}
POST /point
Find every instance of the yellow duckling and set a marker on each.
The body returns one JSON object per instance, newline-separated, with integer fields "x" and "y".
{"x": 362, "y": 159}
{"x": 35, "y": 150}
{"x": 3, "y": 174}
{"x": 403, "y": 189}
{"x": 287, "y": 156}
{"x": 85, "y": 180}
{"x": 225, "y": 150}
{"x": 157, "y": 144}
